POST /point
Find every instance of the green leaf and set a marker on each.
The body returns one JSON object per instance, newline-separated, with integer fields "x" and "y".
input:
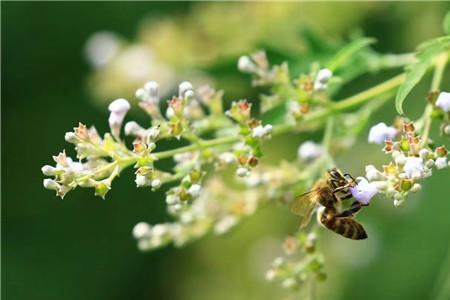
{"x": 276, "y": 115}
{"x": 347, "y": 52}
{"x": 424, "y": 59}
{"x": 446, "y": 23}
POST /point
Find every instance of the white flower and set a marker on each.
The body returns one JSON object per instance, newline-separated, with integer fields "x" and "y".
{"x": 48, "y": 170}
{"x": 71, "y": 137}
{"x": 270, "y": 275}
{"x": 101, "y": 48}
{"x": 380, "y": 132}
{"x": 51, "y": 184}
{"x": 141, "y": 229}
{"x": 242, "y": 172}
{"x": 245, "y": 64}
{"x": 151, "y": 89}
{"x": 194, "y": 190}
{"x": 142, "y": 181}
{"x": 118, "y": 109}
{"x": 159, "y": 230}
{"x": 183, "y": 88}
{"x": 441, "y": 162}
{"x": 227, "y": 157}
{"x": 156, "y": 183}
{"x": 172, "y": 199}
{"x": 373, "y": 174}
{"x": 133, "y": 128}
{"x": 289, "y": 282}
{"x": 261, "y": 131}
{"x": 443, "y": 101}
{"x": 324, "y": 75}
{"x": 364, "y": 190}
{"x": 309, "y": 150}
{"x": 414, "y": 167}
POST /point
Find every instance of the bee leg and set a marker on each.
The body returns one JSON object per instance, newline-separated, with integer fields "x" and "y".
{"x": 355, "y": 208}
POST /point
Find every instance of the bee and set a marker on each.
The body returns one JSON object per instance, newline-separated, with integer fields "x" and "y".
{"x": 328, "y": 194}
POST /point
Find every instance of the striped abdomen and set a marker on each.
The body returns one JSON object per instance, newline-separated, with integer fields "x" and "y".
{"x": 347, "y": 227}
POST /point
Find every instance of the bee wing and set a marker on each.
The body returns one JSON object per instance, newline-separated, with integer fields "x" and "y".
{"x": 303, "y": 203}
{"x": 304, "y": 206}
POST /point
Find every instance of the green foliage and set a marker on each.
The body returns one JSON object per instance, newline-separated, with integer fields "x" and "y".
{"x": 425, "y": 56}
{"x": 344, "y": 55}
{"x": 446, "y": 23}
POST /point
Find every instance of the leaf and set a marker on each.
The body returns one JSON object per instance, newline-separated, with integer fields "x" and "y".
{"x": 446, "y": 23}
{"x": 424, "y": 59}
{"x": 276, "y": 115}
{"x": 347, "y": 52}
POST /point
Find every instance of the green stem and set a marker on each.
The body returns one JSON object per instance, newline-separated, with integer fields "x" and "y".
{"x": 441, "y": 61}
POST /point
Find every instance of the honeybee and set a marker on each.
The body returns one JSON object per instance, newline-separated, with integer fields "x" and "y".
{"x": 328, "y": 194}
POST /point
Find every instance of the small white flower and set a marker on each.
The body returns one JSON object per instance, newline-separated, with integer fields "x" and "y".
{"x": 118, "y": 109}
{"x": 245, "y": 64}
{"x": 51, "y": 184}
{"x": 183, "y": 88}
{"x": 441, "y": 162}
{"x": 414, "y": 167}
{"x": 399, "y": 157}
{"x": 141, "y": 229}
{"x": 101, "y": 48}
{"x": 194, "y": 190}
{"x": 261, "y": 131}
{"x": 156, "y": 183}
{"x": 159, "y": 230}
{"x": 447, "y": 130}
{"x": 227, "y": 158}
{"x": 364, "y": 190}
{"x": 142, "y": 181}
{"x": 278, "y": 262}
{"x": 373, "y": 174}
{"x": 309, "y": 150}
{"x": 133, "y": 128}
{"x": 416, "y": 187}
{"x": 48, "y": 170}
{"x": 70, "y": 137}
{"x": 189, "y": 94}
{"x": 324, "y": 75}
{"x": 381, "y": 132}
{"x": 225, "y": 224}
{"x": 319, "y": 86}
{"x": 443, "y": 101}
{"x": 289, "y": 282}
{"x": 170, "y": 112}
{"x": 151, "y": 90}
{"x": 423, "y": 153}
{"x": 242, "y": 172}
{"x": 153, "y": 132}
{"x": 270, "y": 275}
{"x": 172, "y": 199}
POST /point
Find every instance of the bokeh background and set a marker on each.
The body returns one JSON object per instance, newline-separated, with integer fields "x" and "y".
{"x": 81, "y": 247}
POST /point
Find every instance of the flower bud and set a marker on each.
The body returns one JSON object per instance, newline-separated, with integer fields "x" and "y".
{"x": 48, "y": 170}
{"x": 323, "y": 76}
{"x": 141, "y": 229}
{"x": 416, "y": 187}
{"x": 194, "y": 190}
{"x": 381, "y": 132}
{"x": 309, "y": 151}
{"x": 141, "y": 180}
{"x": 246, "y": 65}
{"x": 152, "y": 92}
{"x": 118, "y": 109}
{"x": 50, "y": 184}
{"x": 156, "y": 183}
{"x": 242, "y": 172}
{"x": 443, "y": 101}
{"x": 441, "y": 162}
{"x": 71, "y": 137}
{"x": 183, "y": 88}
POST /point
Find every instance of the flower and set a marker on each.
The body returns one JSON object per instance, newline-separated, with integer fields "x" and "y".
{"x": 324, "y": 75}
{"x": 441, "y": 162}
{"x": 261, "y": 131}
{"x": 184, "y": 88}
{"x": 364, "y": 190}
{"x": 141, "y": 230}
{"x": 118, "y": 109}
{"x": 101, "y": 48}
{"x": 194, "y": 190}
{"x": 414, "y": 167}
{"x": 443, "y": 101}
{"x": 381, "y": 132}
{"x": 245, "y": 64}
{"x": 309, "y": 150}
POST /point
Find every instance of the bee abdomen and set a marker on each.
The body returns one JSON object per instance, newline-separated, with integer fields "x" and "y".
{"x": 346, "y": 227}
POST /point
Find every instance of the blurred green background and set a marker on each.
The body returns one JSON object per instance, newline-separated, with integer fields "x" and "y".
{"x": 82, "y": 248}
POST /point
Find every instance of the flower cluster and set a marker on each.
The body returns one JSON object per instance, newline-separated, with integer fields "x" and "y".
{"x": 294, "y": 273}
{"x": 413, "y": 158}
